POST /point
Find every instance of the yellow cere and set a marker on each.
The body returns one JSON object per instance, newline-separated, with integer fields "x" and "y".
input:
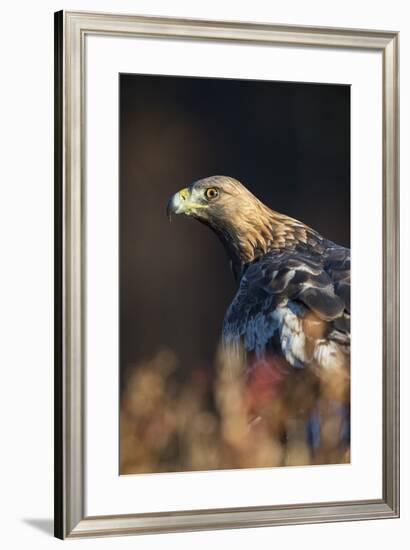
{"x": 184, "y": 193}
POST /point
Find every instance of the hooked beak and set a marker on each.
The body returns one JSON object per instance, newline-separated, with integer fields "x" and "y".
{"x": 177, "y": 204}
{"x": 180, "y": 203}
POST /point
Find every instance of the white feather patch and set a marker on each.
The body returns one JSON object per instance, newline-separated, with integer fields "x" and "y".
{"x": 292, "y": 337}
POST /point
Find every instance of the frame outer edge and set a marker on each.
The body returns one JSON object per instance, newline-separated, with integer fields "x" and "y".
{"x": 74, "y": 276}
{"x": 113, "y": 23}
{"x": 391, "y": 212}
{"x": 59, "y": 447}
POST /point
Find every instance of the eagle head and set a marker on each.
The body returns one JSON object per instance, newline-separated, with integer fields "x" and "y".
{"x": 247, "y": 227}
{"x": 213, "y": 200}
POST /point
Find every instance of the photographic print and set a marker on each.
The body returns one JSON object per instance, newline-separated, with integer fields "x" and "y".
{"x": 234, "y": 331}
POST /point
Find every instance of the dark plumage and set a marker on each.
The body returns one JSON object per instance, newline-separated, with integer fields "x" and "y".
{"x": 293, "y": 300}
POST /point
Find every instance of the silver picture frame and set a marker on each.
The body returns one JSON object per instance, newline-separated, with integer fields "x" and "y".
{"x": 71, "y": 28}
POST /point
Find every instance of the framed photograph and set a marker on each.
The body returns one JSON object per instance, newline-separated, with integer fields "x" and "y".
{"x": 237, "y": 367}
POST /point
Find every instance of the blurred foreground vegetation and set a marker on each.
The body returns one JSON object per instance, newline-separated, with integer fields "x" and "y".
{"x": 211, "y": 418}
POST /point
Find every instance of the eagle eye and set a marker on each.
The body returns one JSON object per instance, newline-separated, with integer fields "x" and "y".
{"x": 211, "y": 193}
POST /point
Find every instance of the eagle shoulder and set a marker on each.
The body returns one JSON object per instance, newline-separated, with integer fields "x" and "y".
{"x": 290, "y": 302}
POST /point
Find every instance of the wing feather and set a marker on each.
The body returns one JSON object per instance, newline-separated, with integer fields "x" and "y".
{"x": 287, "y": 299}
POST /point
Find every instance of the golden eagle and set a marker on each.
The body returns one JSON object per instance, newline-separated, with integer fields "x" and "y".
{"x": 292, "y": 307}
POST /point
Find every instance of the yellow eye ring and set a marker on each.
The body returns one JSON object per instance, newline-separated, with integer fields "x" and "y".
{"x": 211, "y": 193}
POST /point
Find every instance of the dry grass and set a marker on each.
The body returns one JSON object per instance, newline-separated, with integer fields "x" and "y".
{"x": 213, "y": 419}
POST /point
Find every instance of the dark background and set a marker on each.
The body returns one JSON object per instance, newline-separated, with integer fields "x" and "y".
{"x": 289, "y": 143}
